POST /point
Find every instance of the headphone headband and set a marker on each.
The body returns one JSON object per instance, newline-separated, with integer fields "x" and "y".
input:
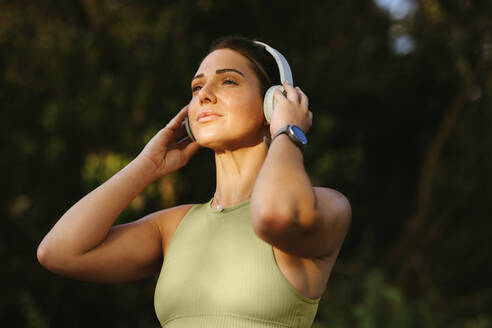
{"x": 283, "y": 65}
{"x": 268, "y": 101}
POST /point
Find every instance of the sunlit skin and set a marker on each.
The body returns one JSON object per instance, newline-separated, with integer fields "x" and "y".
{"x": 226, "y": 84}
{"x": 237, "y": 134}
{"x": 234, "y": 94}
{"x": 304, "y": 224}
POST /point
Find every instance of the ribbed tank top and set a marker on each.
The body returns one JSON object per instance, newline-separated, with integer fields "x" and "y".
{"x": 218, "y": 273}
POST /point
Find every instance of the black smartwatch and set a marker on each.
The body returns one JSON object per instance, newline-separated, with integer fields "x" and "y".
{"x": 295, "y": 134}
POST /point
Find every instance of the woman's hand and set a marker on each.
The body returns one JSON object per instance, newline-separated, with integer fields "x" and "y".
{"x": 291, "y": 109}
{"x": 166, "y": 151}
{"x": 84, "y": 244}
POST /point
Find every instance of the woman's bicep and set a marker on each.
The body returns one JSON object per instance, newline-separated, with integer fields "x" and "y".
{"x": 130, "y": 252}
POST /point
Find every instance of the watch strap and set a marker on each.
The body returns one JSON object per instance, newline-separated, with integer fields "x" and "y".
{"x": 280, "y": 131}
{"x": 293, "y": 138}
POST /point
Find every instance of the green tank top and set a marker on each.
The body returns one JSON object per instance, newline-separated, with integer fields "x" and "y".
{"x": 218, "y": 273}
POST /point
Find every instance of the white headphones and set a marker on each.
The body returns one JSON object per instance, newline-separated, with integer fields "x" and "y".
{"x": 285, "y": 75}
{"x": 268, "y": 101}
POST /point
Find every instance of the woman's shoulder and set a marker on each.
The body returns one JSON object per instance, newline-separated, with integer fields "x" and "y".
{"x": 329, "y": 193}
{"x": 334, "y": 202}
{"x": 168, "y": 219}
{"x": 167, "y": 216}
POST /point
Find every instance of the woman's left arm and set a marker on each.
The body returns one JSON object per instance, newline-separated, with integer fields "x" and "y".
{"x": 287, "y": 211}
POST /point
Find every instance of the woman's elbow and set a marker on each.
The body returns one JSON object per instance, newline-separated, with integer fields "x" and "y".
{"x": 48, "y": 258}
{"x": 43, "y": 255}
{"x": 269, "y": 219}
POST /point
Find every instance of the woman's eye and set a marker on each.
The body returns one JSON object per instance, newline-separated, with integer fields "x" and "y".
{"x": 226, "y": 81}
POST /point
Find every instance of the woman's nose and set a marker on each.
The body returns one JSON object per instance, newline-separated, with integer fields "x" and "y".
{"x": 207, "y": 95}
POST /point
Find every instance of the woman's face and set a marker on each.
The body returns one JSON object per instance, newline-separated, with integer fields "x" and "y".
{"x": 226, "y": 109}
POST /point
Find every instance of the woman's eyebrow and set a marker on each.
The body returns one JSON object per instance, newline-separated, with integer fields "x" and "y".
{"x": 220, "y": 71}
{"x": 224, "y": 70}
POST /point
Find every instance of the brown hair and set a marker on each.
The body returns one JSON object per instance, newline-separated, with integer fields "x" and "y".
{"x": 261, "y": 61}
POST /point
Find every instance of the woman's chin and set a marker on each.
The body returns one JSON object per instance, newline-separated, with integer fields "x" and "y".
{"x": 221, "y": 144}
{"x": 213, "y": 143}
{"x": 221, "y": 138}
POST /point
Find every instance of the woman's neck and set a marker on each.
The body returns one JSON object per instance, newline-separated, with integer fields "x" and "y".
{"x": 236, "y": 173}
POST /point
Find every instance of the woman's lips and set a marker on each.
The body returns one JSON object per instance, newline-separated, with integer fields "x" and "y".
{"x": 207, "y": 116}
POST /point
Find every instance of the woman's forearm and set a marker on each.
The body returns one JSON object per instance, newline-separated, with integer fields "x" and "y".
{"x": 87, "y": 223}
{"x": 283, "y": 188}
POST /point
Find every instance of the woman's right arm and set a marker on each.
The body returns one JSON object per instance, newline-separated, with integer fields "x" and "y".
{"x": 83, "y": 244}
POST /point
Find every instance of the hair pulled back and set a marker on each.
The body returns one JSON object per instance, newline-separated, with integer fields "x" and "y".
{"x": 260, "y": 60}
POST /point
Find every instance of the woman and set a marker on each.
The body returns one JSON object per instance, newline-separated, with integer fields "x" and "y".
{"x": 260, "y": 252}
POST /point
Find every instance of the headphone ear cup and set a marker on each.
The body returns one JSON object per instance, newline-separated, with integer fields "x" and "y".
{"x": 188, "y": 129}
{"x": 269, "y": 101}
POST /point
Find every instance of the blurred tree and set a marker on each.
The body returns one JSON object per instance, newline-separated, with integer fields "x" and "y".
{"x": 402, "y": 126}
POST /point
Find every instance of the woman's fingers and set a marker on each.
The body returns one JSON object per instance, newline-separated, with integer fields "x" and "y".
{"x": 183, "y": 150}
{"x": 174, "y": 129}
{"x": 191, "y": 148}
{"x": 166, "y": 137}
{"x": 279, "y": 95}
{"x": 177, "y": 120}
{"x": 292, "y": 94}
{"x": 296, "y": 95}
{"x": 304, "y": 99}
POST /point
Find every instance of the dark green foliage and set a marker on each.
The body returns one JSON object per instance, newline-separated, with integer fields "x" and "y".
{"x": 406, "y": 137}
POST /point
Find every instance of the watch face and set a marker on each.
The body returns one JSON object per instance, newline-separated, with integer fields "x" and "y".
{"x": 299, "y": 134}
